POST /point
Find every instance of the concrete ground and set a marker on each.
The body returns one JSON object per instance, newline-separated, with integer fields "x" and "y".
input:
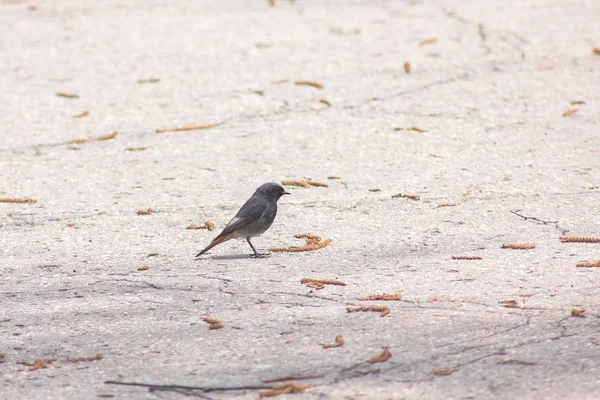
{"x": 499, "y": 113}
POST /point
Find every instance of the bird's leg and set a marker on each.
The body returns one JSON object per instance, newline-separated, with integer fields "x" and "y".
{"x": 256, "y": 254}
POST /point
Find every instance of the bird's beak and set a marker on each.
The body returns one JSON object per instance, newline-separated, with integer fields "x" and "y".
{"x": 284, "y": 192}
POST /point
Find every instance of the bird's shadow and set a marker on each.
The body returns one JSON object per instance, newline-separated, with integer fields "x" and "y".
{"x": 233, "y": 257}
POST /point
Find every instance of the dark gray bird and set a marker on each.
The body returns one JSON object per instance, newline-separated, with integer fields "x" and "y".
{"x": 253, "y": 219}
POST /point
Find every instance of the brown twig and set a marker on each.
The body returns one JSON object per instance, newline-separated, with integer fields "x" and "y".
{"x": 145, "y": 212}
{"x": 466, "y": 258}
{"x": 540, "y": 221}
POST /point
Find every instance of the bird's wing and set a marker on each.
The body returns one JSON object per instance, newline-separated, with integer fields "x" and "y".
{"x": 250, "y": 212}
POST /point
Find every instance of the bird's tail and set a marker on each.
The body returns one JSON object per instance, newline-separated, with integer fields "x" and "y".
{"x": 216, "y": 241}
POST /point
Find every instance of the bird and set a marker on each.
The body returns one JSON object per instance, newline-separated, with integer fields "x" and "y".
{"x": 253, "y": 219}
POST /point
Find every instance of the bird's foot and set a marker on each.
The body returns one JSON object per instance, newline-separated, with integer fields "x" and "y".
{"x": 261, "y": 255}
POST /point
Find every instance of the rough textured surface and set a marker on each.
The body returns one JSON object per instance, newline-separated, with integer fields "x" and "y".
{"x": 490, "y": 93}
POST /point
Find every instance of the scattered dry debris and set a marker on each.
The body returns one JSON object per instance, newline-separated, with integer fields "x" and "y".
{"x": 280, "y": 81}
{"x": 213, "y": 323}
{"x": 143, "y": 268}
{"x": 145, "y": 212}
{"x": 313, "y": 242}
{"x": 435, "y": 298}
{"x": 303, "y": 183}
{"x": 442, "y": 372}
{"x": 207, "y": 225}
{"x": 284, "y": 388}
{"x": 588, "y": 264}
{"x": 570, "y": 112}
{"x": 467, "y": 258}
{"x": 96, "y": 139}
{"x": 448, "y": 205}
{"x": 186, "y": 128}
{"x": 594, "y": 187}
{"x": 368, "y": 372}
{"x": 273, "y": 3}
{"x": 577, "y": 102}
{"x": 153, "y": 255}
{"x": 39, "y": 363}
{"x": 578, "y": 312}
{"x": 341, "y": 32}
{"x": 379, "y": 358}
{"x": 149, "y": 80}
{"x": 320, "y": 283}
{"x": 579, "y": 239}
{"x": 415, "y": 197}
{"x": 383, "y": 297}
{"x": 16, "y": 200}
{"x": 83, "y": 359}
{"x": 339, "y": 342}
{"x": 136, "y": 148}
{"x": 466, "y": 193}
{"x": 518, "y": 246}
{"x": 67, "y": 95}
{"x": 310, "y": 83}
{"x": 325, "y": 101}
{"x": 334, "y": 177}
{"x": 411, "y": 128}
{"x": 293, "y": 377}
{"x": 84, "y": 114}
{"x": 383, "y": 310}
{"x": 407, "y": 67}
{"x": 516, "y": 362}
{"x": 596, "y": 50}
{"x": 509, "y": 303}
{"x": 427, "y": 42}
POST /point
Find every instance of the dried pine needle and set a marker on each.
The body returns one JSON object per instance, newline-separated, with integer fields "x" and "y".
{"x": 383, "y": 296}
{"x": 96, "y": 139}
{"x": 426, "y": 42}
{"x": 284, "y": 388}
{"x": 84, "y": 114}
{"x": 383, "y": 310}
{"x": 310, "y": 83}
{"x": 466, "y": 258}
{"x": 186, "y": 128}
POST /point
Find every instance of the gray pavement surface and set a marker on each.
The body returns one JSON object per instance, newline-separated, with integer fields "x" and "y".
{"x": 490, "y": 93}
